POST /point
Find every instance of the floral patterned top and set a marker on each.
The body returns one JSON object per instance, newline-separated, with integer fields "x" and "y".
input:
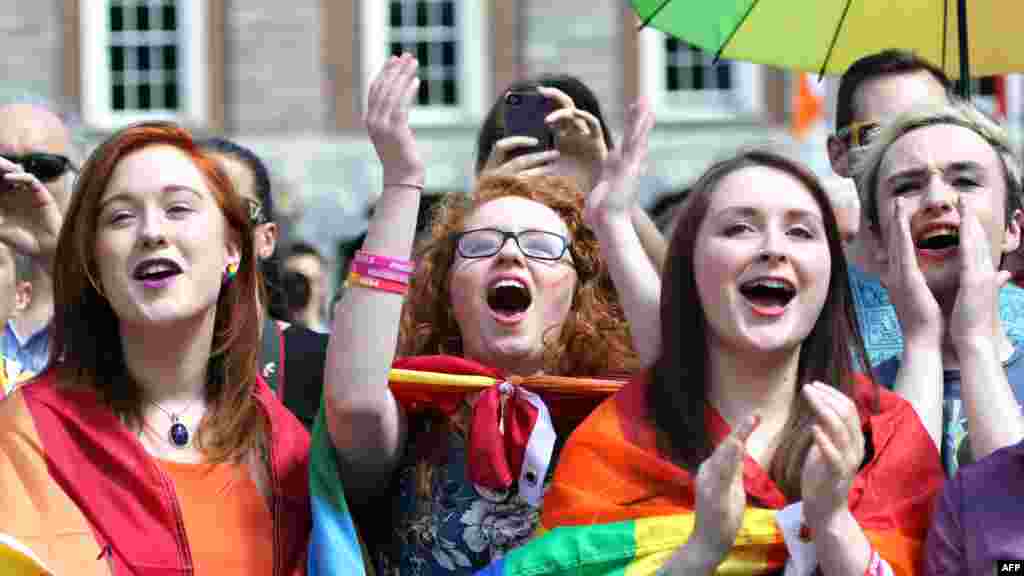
{"x": 443, "y": 523}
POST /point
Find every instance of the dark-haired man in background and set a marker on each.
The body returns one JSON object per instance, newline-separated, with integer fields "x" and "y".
{"x": 873, "y": 90}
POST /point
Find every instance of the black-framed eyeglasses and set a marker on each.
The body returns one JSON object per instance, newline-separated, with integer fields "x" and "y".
{"x": 534, "y": 244}
{"x": 858, "y": 134}
{"x": 45, "y": 167}
{"x": 256, "y": 214}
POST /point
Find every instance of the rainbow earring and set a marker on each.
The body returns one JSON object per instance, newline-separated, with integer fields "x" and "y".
{"x": 231, "y": 272}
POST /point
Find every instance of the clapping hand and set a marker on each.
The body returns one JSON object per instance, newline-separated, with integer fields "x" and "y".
{"x": 720, "y": 496}
{"x": 615, "y": 194}
{"x": 835, "y": 456}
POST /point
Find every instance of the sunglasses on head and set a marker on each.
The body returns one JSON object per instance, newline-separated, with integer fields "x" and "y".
{"x": 858, "y": 134}
{"x": 45, "y": 167}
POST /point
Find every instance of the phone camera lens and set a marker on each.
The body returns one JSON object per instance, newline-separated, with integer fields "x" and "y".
{"x": 514, "y": 99}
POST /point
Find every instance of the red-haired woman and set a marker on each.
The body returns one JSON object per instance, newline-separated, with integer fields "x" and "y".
{"x": 509, "y": 284}
{"x": 151, "y": 446}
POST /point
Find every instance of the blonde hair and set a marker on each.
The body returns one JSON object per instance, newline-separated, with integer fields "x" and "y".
{"x": 957, "y": 113}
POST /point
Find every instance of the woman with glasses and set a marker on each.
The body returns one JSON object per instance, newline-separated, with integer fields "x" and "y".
{"x": 151, "y": 445}
{"x": 508, "y": 288}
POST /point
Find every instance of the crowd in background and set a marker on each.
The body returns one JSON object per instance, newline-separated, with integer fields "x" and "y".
{"x": 177, "y": 398}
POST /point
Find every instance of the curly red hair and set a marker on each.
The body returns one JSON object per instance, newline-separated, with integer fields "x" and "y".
{"x": 594, "y": 339}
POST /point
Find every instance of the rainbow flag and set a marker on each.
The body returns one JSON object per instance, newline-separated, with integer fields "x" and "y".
{"x": 333, "y": 546}
{"x": 639, "y": 547}
{"x": 616, "y": 506}
{"x": 439, "y": 383}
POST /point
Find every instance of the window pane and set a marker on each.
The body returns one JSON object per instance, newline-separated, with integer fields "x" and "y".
{"x": 116, "y": 18}
{"x": 142, "y": 57}
{"x": 421, "y": 14}
{"x": 117, "y": 58}
{"x": 143, "y": 94}
{"x": 169, "y": 57}
{"x": 448, "y": 54}
{"x": 672, "y": 79}
{"x": 448, "y": 97}
{"x": 395, "y": 14}
{"x": 142, "y": 17}
{"x": 170, "y": 17}
{"x": 723, "y": 72}
{"x": 423, "y": 54}
{"x": 448, "y": 14}
{"x": 171, "y": 96}
{"x": 117, "y": 97}
{"x": 423, "y": 96}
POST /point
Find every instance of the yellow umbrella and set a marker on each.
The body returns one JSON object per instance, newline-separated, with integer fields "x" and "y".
{"x": 826, "y": 36}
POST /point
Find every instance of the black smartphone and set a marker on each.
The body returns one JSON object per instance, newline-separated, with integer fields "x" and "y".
{"x": 524, "y": 116}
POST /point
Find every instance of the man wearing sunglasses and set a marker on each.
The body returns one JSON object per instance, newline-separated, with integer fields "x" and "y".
{"x": 36, "y": 164}
{"x": 873, "y": 90}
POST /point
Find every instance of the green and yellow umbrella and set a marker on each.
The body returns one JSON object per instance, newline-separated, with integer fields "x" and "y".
{"x": 826, "y": 36}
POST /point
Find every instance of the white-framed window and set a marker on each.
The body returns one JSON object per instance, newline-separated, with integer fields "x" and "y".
{"x": 446, "y": 36}
{"x": 683, "y": 83}
{"x": 143, "y": 60}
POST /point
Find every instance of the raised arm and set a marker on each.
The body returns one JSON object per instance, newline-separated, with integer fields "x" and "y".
{"x": 993, "y": 413}
{"x": 919, "y": 379}
{"x": 654, "y": 243}
{"x": 609, "y": 213}
{"x": 365, "y": 421}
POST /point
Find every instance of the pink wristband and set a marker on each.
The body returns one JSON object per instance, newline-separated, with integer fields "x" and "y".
{"x": 376, "y": 271}
{"x": 396, "y": 264}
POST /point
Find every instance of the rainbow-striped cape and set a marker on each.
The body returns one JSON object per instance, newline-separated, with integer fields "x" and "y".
{"x": 617, "y": 507}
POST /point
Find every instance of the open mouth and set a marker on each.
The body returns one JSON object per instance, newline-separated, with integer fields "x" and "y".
{"x": 509, "y": 298}
{"x": 941, "y": 238}
{"x": 156, "y": 270}
{"x": 770, "y": 295}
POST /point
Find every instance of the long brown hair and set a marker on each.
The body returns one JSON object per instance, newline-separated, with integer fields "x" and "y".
{"x": 86, "y": 333}
{"x": 678, "y": 392}
{"x": 594, "y": 339}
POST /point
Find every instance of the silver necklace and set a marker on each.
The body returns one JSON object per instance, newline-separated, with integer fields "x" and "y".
{"x": 178, "y": 434}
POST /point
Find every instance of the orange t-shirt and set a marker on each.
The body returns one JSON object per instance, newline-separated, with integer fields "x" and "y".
{"x": 227, "y": 521}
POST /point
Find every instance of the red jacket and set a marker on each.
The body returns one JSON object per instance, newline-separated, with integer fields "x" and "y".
{"x": 76, "y": 486}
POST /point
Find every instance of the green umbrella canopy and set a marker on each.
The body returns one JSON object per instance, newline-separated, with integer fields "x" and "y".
{"x": 826, "y": 36}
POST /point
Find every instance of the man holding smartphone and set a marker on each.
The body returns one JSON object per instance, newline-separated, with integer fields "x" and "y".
{"x": 553, "y": 125}
{"x": 35, "y": 190}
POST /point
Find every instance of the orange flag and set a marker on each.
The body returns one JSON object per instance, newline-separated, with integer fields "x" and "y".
{"x": 808, "y": 106}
